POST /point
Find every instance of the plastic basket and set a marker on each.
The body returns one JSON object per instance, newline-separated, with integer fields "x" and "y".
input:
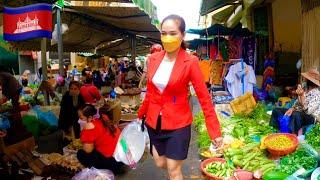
{"x": 206, "y": 162}
{"x": 244, "y": 104}
{"x": 286, "y": 151}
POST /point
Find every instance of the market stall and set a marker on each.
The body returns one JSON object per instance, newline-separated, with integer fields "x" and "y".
{"x": 253, "y": 149}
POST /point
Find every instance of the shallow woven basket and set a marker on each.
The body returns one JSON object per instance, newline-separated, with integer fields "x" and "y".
{"x": 286, "y": 151}
{"x": 206, "y": 162}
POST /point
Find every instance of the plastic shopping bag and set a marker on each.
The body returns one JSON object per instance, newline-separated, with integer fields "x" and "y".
{"x": 131, "y": 144}
{"x": 94, "y": 174}
{"x": 284, "y": 122}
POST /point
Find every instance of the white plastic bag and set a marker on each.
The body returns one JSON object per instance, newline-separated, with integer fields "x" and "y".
{"x": 131, "y": 144}
{"x": 94, "y": 174}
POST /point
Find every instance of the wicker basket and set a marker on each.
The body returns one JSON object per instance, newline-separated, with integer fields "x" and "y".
{"x": 244, "y": 104}
{"x": 208, "y": 161}
{"x": 115, "y": 105}
{"x": 283, "y": 152}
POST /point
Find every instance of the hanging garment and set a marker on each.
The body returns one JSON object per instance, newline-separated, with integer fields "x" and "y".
{"x": 268, "y": 77}
{"x": 205, "y": 67}
{"x": 235, "y": 48}
{"x": 213, "y": 51}
{"x": 234, "y": 77}
{"x": 248, "y": 51}
{"x": 216, "y": 72}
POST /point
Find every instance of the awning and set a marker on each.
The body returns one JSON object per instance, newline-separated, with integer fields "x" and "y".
{"x": 208, "y": 6}
{"x": 218, "y": 29}
{"x": 230, "y": 13}
{"x": 92, "y": 24}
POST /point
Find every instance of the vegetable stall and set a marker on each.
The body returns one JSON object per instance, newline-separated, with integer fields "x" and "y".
{"x": 254, "y": 150}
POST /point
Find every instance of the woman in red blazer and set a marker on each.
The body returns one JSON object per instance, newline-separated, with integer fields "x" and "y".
{"x": 166, "y": 106}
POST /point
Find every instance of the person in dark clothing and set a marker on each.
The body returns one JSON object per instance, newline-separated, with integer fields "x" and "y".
{"x": 97, "y": 79}
{"x": 71, "y": 102}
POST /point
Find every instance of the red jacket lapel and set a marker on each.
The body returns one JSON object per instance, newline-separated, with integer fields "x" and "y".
{"x": 177, "y": 68}
{"x": 156, "y": 60}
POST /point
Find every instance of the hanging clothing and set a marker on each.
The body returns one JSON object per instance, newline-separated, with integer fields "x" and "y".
{"x": 213, "y": 51}
{"x": 216, "y": 72}
{"x": 235, "y": 48}
{"x": 205, "y": 67}
{"x": 234, "y": 84}
{"x": 248, "y": 46}
{"x": 268, "y": 77}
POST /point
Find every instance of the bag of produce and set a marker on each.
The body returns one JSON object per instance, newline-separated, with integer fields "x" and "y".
{"x": 131, "y": 144}
{"x": 94, "y": 174}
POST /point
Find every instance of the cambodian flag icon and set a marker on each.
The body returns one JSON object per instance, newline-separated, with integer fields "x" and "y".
{"x": 28, "y": 22}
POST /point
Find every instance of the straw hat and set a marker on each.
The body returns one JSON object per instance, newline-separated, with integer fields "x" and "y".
{"x": 312, "y": 75}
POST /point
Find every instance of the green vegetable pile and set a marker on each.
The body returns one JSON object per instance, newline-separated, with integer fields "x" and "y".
{"x": 220, "y": 169}
{"x": 250, "y": 158}
{"x": 203, "y": 136}
{"x": 6, "y": 106}
{"x": 313, "y": 137}
{"x": 300, "y": 158}
{"x": 244, "y": 127}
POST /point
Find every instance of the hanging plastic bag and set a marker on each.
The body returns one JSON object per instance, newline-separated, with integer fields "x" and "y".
{"x": 4, "y": 121}
{"x": 48, "y": 116}
{"x": 94, "y": 174}
{"x": 284, "y": 122}
{"x": 131, "y": 144}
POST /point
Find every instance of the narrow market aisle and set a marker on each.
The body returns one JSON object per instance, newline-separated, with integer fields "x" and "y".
{"x": 148, "y": 171}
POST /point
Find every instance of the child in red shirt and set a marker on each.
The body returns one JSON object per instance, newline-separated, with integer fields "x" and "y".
{"x": 99, "y": 138}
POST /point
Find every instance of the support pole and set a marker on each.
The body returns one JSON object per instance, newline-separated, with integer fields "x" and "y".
{"x": 60, "y": 45}
{"x": 44, "y": 66}
{"x": 133, "y": 48}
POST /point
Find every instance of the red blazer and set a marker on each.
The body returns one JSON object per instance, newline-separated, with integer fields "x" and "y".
{"x": 173, "y": 102}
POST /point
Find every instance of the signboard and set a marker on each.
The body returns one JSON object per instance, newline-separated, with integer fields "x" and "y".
{"x": 28, "y": 22}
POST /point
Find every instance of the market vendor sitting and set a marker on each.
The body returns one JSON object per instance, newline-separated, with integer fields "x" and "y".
{"x": 99, "y": 137}
{"x": 306, "y": 110}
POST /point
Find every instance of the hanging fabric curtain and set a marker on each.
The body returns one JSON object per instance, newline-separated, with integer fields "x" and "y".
{"x": 310, "y": 38}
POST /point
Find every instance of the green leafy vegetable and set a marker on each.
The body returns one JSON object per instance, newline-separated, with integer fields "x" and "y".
{"x": 313, "y": 137}
{"x": 300, "y": 158}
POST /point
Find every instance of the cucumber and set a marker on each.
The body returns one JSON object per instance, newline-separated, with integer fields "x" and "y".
{"x": 275, "y": 175}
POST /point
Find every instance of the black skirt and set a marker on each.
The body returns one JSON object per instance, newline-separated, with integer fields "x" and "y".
{"x": 174, "y": 144}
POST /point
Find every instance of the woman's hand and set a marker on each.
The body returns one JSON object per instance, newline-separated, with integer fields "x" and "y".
{"x": 218, "y": 142}
{"x": 289, "y": 112}
{"x": 300, "y": 91}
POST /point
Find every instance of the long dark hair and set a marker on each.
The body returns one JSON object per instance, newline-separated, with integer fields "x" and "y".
{"x": 88, "y": 110}
{"x": 181, "y": 23}
{"x": 108, "y": 124}
{"x": 74, "y": 83}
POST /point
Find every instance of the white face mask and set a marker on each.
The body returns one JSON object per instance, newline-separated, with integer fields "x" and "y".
{"x": 82, "y": 123}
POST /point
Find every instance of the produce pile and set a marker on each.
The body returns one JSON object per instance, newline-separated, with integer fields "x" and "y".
{"x": 203, "y": 136}
{"x": 279, "y": 142}
{"x": 313, "y": 137}
{"x": 244, "y": 146}
{"x": 300, "y": 158}
{"x": 220, "y": 169}
{"x": 68, "y": 162}
{"x": 250, "y": 157}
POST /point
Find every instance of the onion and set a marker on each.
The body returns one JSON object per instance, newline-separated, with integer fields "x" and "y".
{"x": 257, "y": 174}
